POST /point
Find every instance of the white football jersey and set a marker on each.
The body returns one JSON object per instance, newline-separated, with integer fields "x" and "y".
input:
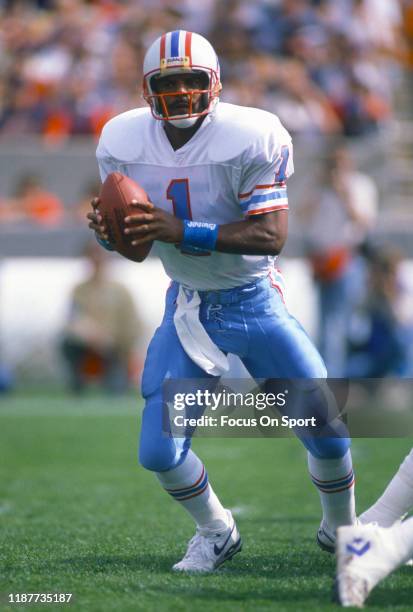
{"x": 234, "y": 166}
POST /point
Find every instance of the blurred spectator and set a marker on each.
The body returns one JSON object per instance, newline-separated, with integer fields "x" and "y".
{"x": 67, "y": 66}
{"x": 337, "y": 220}
{"x": 6, "y": 380}
{"x": 381, "y": 340}
{"x": 301, "y": 105}
{"x": 408, "y": 32}
{"x": 32, "y": 202}
{"x": 102, "y": 330}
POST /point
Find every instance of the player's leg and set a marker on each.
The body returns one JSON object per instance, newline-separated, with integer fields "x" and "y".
{"x": 366, "y": 554}
{"x": 397, "y": 498}
{"x": 280, "y": 347}
{"x": 178, "y": 469}
{"x": 332, "y": 474}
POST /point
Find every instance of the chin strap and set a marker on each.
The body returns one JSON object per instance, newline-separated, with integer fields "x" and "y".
{"x": 183, "y": 123}
{"x": 187, "y": 122}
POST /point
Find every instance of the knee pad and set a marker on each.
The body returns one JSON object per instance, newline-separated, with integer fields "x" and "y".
{"x": 327, "y": 448}
{"x": 158, "y": 457}
{"x": 158, "y": 450}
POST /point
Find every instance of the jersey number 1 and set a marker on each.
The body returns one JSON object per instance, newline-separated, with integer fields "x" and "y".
{"x": 178, "y": 192}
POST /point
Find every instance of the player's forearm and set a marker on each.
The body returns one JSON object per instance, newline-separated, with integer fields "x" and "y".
{"x": 264, "y": 234}
{"x": 250, "y": 238}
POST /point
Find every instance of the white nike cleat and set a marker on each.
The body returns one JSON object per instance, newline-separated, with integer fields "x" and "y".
{"x": 208, "y": 551}
{"x": 365, "y": 555}
{"x": 326, "y": 539}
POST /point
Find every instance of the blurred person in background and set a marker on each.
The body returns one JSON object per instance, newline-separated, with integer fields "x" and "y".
{"x": 337, "y": 218}
{"x": 6, "y": 377}
{"x": 301, "y": 103}
{"x": 102, "y": 329}
{"x": 32, "y": 202}
{"x": 6, "y": 380}
{"x": 380, "y": 343}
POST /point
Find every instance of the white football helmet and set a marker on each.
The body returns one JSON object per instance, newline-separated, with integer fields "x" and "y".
{"x": 181, "y": 52}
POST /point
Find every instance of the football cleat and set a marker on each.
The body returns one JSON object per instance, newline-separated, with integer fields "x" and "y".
{"x": 208, "y": 551}
{"x": 365, "y": 555}
{"x": 326, "y": 539}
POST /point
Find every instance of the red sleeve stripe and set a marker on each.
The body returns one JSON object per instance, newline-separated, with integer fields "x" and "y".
{"x": 246, "y": 195}
{"x": 259, "y": 211}
{"x": 188, "y": 38}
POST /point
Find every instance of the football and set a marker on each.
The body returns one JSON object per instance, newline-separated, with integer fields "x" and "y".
{"x": 116, "y": 194}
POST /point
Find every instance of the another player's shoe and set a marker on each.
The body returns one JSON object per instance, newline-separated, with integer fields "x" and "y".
{"x": 208, "y": 551}
{"x": 365, "y": 555}
{"x": 326, "y": 539}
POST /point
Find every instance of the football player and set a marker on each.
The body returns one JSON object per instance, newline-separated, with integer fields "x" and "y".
{"x": 216, "y": 174}
{"x": 370, "y": 551}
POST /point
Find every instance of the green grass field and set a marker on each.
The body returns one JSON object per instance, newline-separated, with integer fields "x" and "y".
{"x": 78, "y": 516}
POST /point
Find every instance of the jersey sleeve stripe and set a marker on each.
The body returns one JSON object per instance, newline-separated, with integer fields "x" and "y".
{"x": 280, "y": 194}
{"x": 246, "y": 195}
{"x": 266, "y": 209}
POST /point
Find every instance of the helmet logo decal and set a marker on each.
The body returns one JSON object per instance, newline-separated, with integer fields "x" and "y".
{"x": 169, "y": 62}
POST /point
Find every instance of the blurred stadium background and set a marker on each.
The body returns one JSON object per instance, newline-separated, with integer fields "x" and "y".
{"x": 335, "y": 72}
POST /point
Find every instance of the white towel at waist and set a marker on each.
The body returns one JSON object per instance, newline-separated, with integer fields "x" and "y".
{"x": 193, "y": 336}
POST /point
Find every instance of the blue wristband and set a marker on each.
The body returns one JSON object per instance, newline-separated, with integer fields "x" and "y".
{"x": 106, "y": 245}
{"x": 200, "y": 235}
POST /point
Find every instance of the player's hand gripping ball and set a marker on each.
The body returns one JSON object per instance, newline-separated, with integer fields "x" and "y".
{"x": 116, "y": 195}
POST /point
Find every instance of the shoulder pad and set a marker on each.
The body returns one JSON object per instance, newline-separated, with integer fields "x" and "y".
{"x": 123, "y": 136}
{"x": 241, "y": 128}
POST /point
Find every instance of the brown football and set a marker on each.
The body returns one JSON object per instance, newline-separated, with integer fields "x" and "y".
{"x": 116, "y": 194}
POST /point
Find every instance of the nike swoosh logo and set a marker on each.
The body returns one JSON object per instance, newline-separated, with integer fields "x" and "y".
{"x": 321, "y": 532}
{"x": 217, "y": 549}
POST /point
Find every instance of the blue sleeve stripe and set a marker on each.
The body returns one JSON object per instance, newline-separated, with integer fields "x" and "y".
{"x": 256, "y": 199}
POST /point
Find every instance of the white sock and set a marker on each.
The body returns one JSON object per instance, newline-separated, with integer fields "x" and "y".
{"x": 334, "y": 479}
{"x": 397, "y": 498}
{"x": 188, "y": 484}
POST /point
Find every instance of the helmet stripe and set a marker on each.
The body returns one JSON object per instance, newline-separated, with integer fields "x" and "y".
{"x": 175, "y": 43}
{"x": 163, "y": 44}
{"x": 188, "y": 38}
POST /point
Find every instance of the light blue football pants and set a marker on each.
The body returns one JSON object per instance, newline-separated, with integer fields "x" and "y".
{"x": 250, "y": 321}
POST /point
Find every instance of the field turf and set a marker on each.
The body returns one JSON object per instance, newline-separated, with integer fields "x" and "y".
{"x": 78, "y": 516}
